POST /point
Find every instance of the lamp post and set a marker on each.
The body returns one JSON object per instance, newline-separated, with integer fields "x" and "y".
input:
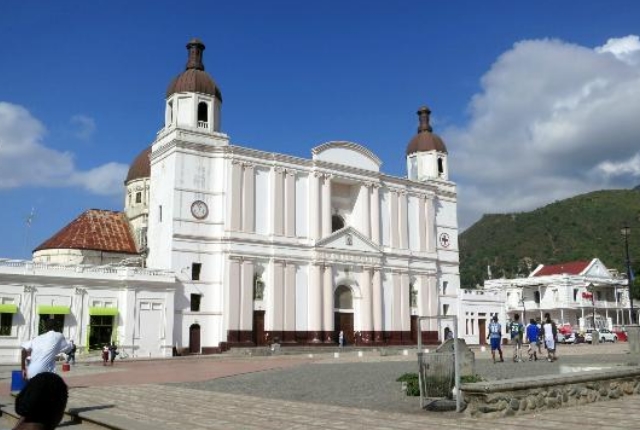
{"x": 524, "y": 309}
{"x": 626, "y": 232}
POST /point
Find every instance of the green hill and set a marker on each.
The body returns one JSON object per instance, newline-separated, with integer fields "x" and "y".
{"x": 578, "y": 228}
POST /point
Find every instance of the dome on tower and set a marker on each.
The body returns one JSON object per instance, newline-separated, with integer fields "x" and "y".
{"x": 194, "y": 79}
{"x": 141, "y": 166}
{"x": 425, "y": 140}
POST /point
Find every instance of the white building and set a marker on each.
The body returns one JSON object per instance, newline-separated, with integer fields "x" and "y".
{"x": 574, "y": 293}
{"x": 267, "y": 246}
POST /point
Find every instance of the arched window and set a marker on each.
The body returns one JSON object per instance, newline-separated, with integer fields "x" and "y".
{"x": 413, "y": 296}
{"x": 203, "y": 115}
{"x": 343, "y": 298}
{"x": 258, "y": 288}
{"x": 440, "y": 166}
{"x": 337, "y": 222}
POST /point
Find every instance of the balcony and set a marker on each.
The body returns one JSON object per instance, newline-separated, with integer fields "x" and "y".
{"x": 203, "y": 124}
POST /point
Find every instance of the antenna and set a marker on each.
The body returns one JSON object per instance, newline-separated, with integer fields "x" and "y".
{"x": 28, "y": 223}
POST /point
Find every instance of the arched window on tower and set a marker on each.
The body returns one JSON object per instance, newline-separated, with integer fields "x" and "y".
{"x": 203, "y": 115}
{"x": 337, "y": 222}
{"x": 440, "y": 166}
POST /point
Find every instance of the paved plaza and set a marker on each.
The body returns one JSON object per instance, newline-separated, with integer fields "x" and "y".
{"x": 300, "y": 392}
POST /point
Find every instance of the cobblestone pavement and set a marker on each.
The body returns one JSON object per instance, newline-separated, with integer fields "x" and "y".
{"x": 299, "y": 392}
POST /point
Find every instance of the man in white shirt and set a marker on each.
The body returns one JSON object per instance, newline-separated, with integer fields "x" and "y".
{"x": 43, "y": 351}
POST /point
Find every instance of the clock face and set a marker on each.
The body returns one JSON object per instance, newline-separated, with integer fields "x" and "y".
{"x": 199, "y": 209}
{"x": 445, "y": 241}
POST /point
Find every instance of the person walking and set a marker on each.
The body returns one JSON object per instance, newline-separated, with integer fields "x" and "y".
{"x": 533, "y": 337}
{"x": 550, "y": 333}
{"x": 105, "y": 355}
{"x": 517, "y": 330}
{"x": 43, "y": 351}
{"x": 71, "y": 354}
{"x": 341, "y": 339}
{"x": 495, "y": 336}
{"x": 113, "y": 351}
{"x": 41, "y": 403}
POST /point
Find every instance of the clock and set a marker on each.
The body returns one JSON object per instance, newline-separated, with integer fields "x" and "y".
{"x": 199, "y": 209}
{"x": 445, "y": 241}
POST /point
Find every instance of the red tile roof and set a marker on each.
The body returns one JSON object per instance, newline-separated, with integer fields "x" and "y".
{"x": 97, "y": 230}
{"x": 571, "y": 268}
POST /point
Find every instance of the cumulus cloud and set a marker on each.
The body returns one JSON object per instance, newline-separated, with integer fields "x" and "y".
{"x": 85, "y": 126}
{"x": 26, "y": 161}
{"x": 552, "y": 120}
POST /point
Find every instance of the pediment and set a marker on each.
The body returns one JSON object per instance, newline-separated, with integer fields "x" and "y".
{"x": 348, "y": 154}
{"x": 348, "y": 239}
{"x": 597, "y": 270}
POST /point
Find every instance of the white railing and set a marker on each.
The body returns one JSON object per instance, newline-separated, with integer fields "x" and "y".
{"x": 108, "y": 270}
{"x": 203, "y": 124}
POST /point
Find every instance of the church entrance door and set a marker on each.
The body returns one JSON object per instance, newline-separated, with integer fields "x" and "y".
{"x": 258, "y": 328}
{"x": 344, "y": 322}
{"x": 194, "y": 339}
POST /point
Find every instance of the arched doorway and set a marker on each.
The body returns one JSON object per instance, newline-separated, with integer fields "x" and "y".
{"x": 194, "y": 339}
{"x": 343, "y": 313}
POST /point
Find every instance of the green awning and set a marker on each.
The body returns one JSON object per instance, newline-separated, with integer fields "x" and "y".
{"x": 103, "y": 311}
{"x": 53, "y": 310}
{"x": 8, "y": 309}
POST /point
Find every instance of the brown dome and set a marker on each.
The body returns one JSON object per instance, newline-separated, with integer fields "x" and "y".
{"x": 141, "y": 166}
{"x": 425, "y": 140}
{"x": 194, "y": 79}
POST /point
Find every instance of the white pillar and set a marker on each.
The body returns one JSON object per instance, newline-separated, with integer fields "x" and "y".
{"x": 249, "y": 199}
{"x": 327, "y": 303}
{"x": 290, "y": 203}
{"x": 315, "y": 300}
{"x": 431, "y": 225}
{"x": 376, "y": 298}
{"x": 315, "y": 210}
{"x": 290, "y": 297}
{"x": 232, "y": 302}
{"x": 235, "y": 207}
{"x": 365, "y": 192}
{"x": 276, "y": 299}
{"x": 278, "y": 201}
{"x": 393, "y": 219}
{"x": 422, "y": 223}
{"x": 326, "y": 206}
{"x": 246, "y": 296}
{"x": 375, "y": 214}
{"x": 366, "y": 320}
{"x": 405, "y": 303}
{"x": 403, "y": 220}
{"x": 396, "y": 310}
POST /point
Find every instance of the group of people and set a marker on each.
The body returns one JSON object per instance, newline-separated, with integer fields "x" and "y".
{"x": 534, "y": 334}
{"x": 109, "y": 353}
{"x": 42, "y": 401}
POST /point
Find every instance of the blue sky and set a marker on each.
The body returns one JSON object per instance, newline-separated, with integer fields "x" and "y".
{"x": 535, "y": 100}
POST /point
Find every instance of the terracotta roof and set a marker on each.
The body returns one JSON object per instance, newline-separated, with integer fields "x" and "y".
{"x": 425, "y": 140}
{"x": 571, "y": 268}
{"x": 141, "y": 166}
{"x": 97, "y": 230}
{"x": 194, "y": 79}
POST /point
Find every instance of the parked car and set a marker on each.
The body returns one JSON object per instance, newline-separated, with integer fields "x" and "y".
{"x": 604, "y": 335}
{"x": 561, "y": 338}
{"x": 574, "y": 338}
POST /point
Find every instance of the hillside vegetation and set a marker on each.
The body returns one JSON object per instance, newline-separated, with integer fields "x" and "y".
{"x": 578, "y": 228}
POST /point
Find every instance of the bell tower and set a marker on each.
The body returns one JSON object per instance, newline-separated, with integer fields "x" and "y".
{"x": 426, "y": 152}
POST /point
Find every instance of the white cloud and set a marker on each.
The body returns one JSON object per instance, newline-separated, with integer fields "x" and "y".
{"x": 85, "y": 126}
{"x": 26, "y": 161}
{"x": 552, "y": 120}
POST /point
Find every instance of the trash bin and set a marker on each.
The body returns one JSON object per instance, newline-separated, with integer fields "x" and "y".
{"x": 17, "y": 381}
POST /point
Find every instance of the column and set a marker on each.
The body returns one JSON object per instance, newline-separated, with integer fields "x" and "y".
{"x": 326, "y": 206}
{"x": 422, "y": 223}
{"x": 376, "y": 299}
{"x": 248, "y": 219}
{"x": 403, "y": 218}
{"x": 290, "y": 203}
{"x": 235, "y": 207}
{"x": 393, "y": 219}
{"x": 289, "y": 302}
{"x": 396, "y": 310}
{"x": 366, "y": 316}
{"x": 431, "y": 225}
{"x": 278, "y": 201}
{"x": 365, "y": 192}
{"x": 405, "y": 303}
{"x": 315, "y": 301}
{"x": 246, "y": 297}
{"x": 275, "y": 310}
{"x": 433, "y": 300}
{"x": 375, "y": 214}
{"x": 232, "y": 305}
{"x": 327, "y": 304}
{"x": 315, "y": 209}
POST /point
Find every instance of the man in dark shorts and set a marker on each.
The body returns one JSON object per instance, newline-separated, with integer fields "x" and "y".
{"x": 495, "y": 336}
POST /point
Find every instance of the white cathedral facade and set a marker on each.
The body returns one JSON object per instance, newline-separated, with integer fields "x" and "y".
{"x": 244, "y": 247}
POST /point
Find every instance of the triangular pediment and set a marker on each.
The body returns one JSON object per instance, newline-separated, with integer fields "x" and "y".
{"x": 348, "y": 239}
{"x": 597, "y": 270}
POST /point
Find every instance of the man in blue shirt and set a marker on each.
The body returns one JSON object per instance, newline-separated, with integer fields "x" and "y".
{"x": 533, "y": 335}
{"x": 495, "y": 335}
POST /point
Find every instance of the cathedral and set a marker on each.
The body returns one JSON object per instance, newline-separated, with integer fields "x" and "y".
{"x": 222, "y": 245}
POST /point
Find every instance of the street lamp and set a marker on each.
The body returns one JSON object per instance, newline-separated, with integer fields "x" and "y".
{"x": 524, "y": 309}
{"x": 626, "y": 232}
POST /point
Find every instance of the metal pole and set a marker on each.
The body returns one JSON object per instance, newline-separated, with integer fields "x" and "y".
{"x": 627, "y": 231}
{"x": 456, "y": 360}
